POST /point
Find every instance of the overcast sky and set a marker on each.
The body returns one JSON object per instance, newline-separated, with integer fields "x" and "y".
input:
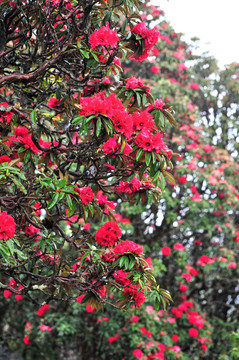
{"x": 215, "y": 22}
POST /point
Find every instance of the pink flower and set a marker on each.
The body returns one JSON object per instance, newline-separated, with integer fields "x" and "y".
{"x": 232, "y": 265}
{"x": 90, "y": 308}
{"x": 194, "y": 86}
{"x": 179, "y": 247}
{"x": 45, "y": 328}
{"x": 134, "y": 318}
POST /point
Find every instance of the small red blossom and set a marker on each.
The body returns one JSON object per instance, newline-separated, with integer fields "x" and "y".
{"x": 138, "y": 353}
{"x": 5, "y": 116}
{"x": 166, "y": 251}
{"x": 193, "y": 332}
{"x": 41, "y": 311}
{"x": 26, "y": 340}
{"x": 194, "y": 86}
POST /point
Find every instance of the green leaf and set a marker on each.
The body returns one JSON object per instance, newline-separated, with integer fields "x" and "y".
{"x": 19, "y": 184}
{"x": 33, "y": 116}
{"x": 123, "y": 27}
{"x": 147, "y": 158}
{"x": 98, "y": 126}
{"x": 139, "y": 154}
{"x": 85, "y": 53}
{"x": 10, "y": 245}
{"x": 54, "y": 201}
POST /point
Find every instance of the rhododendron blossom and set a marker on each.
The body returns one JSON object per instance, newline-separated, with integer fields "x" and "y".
{"x": 7, "y": 226}
{"x": 128, "y": 246}
{"x": 150, "y": 37}
{"x": 108, "y": 234}
{"x": 104, "y": 37}
{"x": 85, "y": 194}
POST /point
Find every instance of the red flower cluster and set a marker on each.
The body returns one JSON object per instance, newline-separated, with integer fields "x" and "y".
{"x": 23, "y": 137}
{"x": 108, "y": 234}
{"x": 142, "y": 120}
{"x": 104, "y": 37}
{"x": 129, "y": 187}
{"x": 128, "y": 246}
{"x": 148, "y": 142}
{"x": 4, "y": 158}
{"x": 109, "y": 106}
{"x": 150, "y": 37}
{"x": 41, "y": 311}
{"x": 121, "y": 277}
{"x": 85, "y": 194}
{"x": 134, "y": 83}
{"x": 137, "y": 296}
{"x": 7, "y": 226}
{"x": 5, "y": 116}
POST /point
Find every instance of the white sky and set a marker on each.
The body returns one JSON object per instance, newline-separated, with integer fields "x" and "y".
{"x": 215, "y": 22}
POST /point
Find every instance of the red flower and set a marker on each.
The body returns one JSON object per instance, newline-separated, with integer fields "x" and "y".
{"x": 145, "y": 140}
{"x": 108, "y": 234}
{"x": 138, "y": 353}
{"x": 134, "y": 83}
{"x": 155, "y": 69}
{"x": 183, "y": 288}
{"x": 45, "y": 328}
{"x": 4, "y": 158}
{"x": 178, "y": 246}
{"x": 138, "y": 296}
{"x": 193, "y": 332}
{"x": 113, "y": 338}
{"x": 182, "y": 179}
{"x": 142, "y": 120}
{"x": 128, "y": 246}
{"x": 166, "y": 251}
{"x": 175, "y": 337}
{"x": 194, "y": 86}
{"x": 5, "y": 116}
{"x": 7, "y": 226}
{"x": 104, "y": 37}
{"x": 121, "y": 277}
{"x": 41, "y": 311}
{"x": 26, "y": 340}
{"x": 85, "y": 194}
{"x": 150, "y": 38}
